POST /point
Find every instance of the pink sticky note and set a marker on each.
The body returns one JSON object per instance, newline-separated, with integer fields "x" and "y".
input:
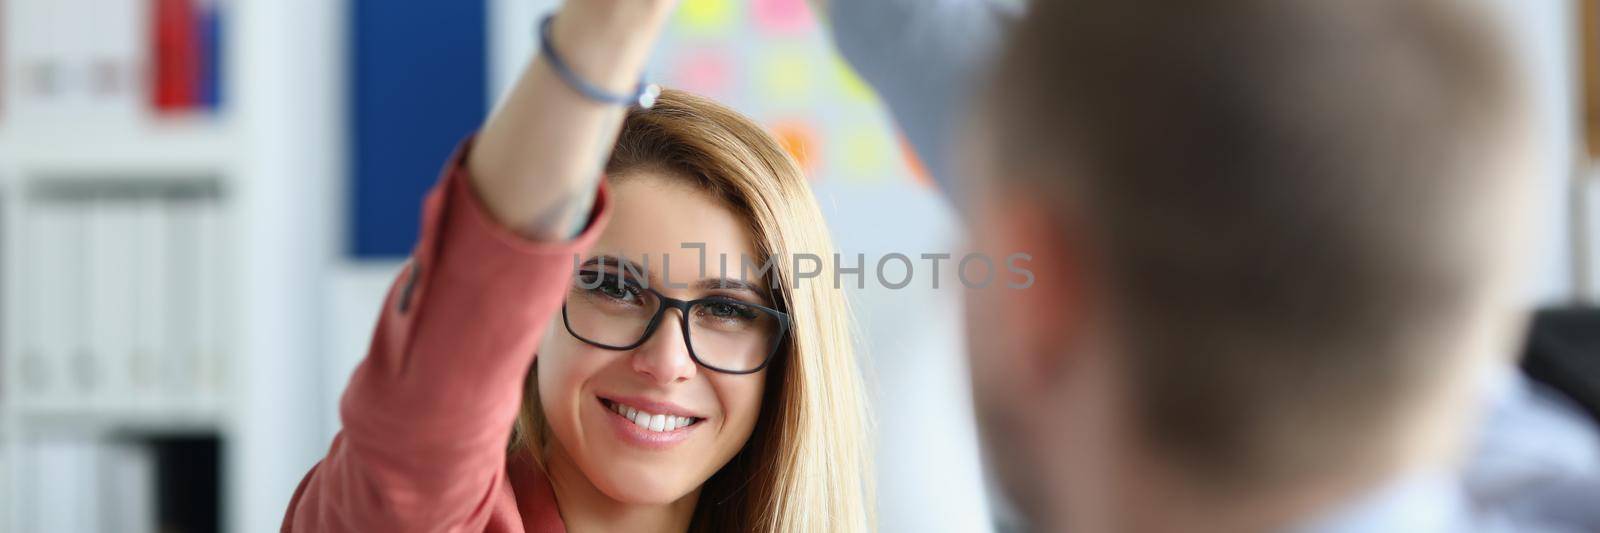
{"x": 782, "y": 16}
{"x": 705, "y": 72}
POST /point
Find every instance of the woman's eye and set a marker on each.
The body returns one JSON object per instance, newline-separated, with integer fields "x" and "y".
{"x": 607, "y": 285}
{"x": 609, "y": 289}
{"x": 729, "y": 310}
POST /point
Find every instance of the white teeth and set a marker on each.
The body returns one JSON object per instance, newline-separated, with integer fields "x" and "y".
{"x": 650, "y": 421}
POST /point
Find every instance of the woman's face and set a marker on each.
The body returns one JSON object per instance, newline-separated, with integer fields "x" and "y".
{"x": 582, "y": 387}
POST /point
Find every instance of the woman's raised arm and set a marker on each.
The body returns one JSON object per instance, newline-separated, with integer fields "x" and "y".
{"x": 537, "y": 159}
{"x": 427, "y": 414}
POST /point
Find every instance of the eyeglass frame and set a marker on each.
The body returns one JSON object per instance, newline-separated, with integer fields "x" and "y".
{"x": 683, "y": 307}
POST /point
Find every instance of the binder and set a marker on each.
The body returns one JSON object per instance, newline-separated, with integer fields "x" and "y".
{"x": 39, "y": 309}
{"x": 150, "y": 368}
{"x": 61, "y": 226}
{"x": 111, "y": 290}
{"x": 75, "y": 48}
{"x": 127, "y": 489}
{"x": 209, "y": 31}
{"x": 114, "y": 30}
{"x": 213, "y": 324}
{"x": 184, "y": 290}
{"x": 29, "y": 30}
{"x": 83, "y": 475}
{"x": 6, "y": 28}
{"x": 176, "y": 56}
{"x": 197, "y": 262}
{"x": 63, "y": 483}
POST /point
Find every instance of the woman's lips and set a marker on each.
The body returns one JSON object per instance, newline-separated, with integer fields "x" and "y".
{"x": 648, "y": 429}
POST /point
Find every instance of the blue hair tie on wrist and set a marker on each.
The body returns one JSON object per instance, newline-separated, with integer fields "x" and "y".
{"x": 644, "y": 96}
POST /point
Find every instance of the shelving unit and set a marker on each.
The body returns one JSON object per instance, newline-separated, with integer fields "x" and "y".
{"x": 92, "y": 372}
{"x": 272, "y": 156}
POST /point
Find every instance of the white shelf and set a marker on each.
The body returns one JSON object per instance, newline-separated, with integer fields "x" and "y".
{"x": 195, "y": 145}
{"x": 163, "y": 417}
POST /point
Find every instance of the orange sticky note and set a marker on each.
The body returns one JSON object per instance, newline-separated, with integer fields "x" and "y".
{"x": 799, "y": 138}
{"x": 919, "y": 172}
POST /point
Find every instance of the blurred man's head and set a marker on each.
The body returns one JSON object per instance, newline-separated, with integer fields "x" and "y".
{"x": 1274, "y": 241}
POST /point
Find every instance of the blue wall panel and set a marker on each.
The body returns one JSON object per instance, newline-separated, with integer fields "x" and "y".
{"x": 419, "y": 88}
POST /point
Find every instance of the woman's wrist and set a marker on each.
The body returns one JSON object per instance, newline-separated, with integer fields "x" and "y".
{"x": 538, "y": 156}
{"x": 608, "y": 42}
{"x": 620, "y": 16}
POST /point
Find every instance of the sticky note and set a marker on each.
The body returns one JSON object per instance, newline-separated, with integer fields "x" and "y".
{"x": 782, "y": 17}
{"x": 786, "y": 76}
{"x": 853, "y": 87}
{"x": 706, "y": 71}
{"x": 799, "y": 138}
{"x": 705, "y": 16}
{"x": 867, "y": 152}
{"x": 919, "y": 172}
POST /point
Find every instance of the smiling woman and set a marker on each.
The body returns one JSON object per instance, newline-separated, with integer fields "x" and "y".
{"x": 505, "y": 390}
{"x": 739, "y": 399}
{"x": 508, "y": 391}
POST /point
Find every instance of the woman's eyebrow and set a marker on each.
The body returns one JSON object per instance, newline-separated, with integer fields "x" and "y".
{"x": 629, "y": 268}
{"x": 730, "y": 283}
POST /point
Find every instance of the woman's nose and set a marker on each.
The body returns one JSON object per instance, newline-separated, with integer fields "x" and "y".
{"x": 664, "y": 357}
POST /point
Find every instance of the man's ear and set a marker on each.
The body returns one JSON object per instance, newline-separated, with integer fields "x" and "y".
{"x": 1044, "y": 256}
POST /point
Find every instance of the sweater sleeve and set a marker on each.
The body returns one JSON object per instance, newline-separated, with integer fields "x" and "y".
{"x": 427, "y": 414}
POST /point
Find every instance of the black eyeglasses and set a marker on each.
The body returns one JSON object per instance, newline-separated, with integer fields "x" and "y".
{"x": 723, "y": 334}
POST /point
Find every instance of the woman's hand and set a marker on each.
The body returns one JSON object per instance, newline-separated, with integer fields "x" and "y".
{"x": 536, "y": 160}
{"x": 608, "y": 41}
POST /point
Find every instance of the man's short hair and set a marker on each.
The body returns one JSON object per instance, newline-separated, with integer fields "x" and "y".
{"x": 1288, "y": 198}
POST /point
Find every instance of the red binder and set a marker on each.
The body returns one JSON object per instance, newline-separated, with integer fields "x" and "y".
{"x": 176, "y": 50}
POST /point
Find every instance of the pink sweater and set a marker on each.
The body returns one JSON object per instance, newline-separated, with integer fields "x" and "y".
{"x": 428, "y": 413}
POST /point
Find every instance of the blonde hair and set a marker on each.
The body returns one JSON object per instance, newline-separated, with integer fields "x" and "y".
{"x": 807, "y": 466}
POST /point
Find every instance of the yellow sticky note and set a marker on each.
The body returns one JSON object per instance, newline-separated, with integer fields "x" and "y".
{"x": 867, "y": 153}
{"x": 786, "y": 77}
{"x": 851, "y": 84}
{"x": 705, "y": 16}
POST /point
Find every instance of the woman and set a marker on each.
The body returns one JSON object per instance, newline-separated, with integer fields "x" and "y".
{"x": 660, "y": 399}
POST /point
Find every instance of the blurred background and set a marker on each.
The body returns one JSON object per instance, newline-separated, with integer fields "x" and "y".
{"x": 202, "y": 203}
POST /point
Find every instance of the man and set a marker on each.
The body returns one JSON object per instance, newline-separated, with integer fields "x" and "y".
{"x": 1537, "y": 458}
{"x": 1277, "y": 251}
